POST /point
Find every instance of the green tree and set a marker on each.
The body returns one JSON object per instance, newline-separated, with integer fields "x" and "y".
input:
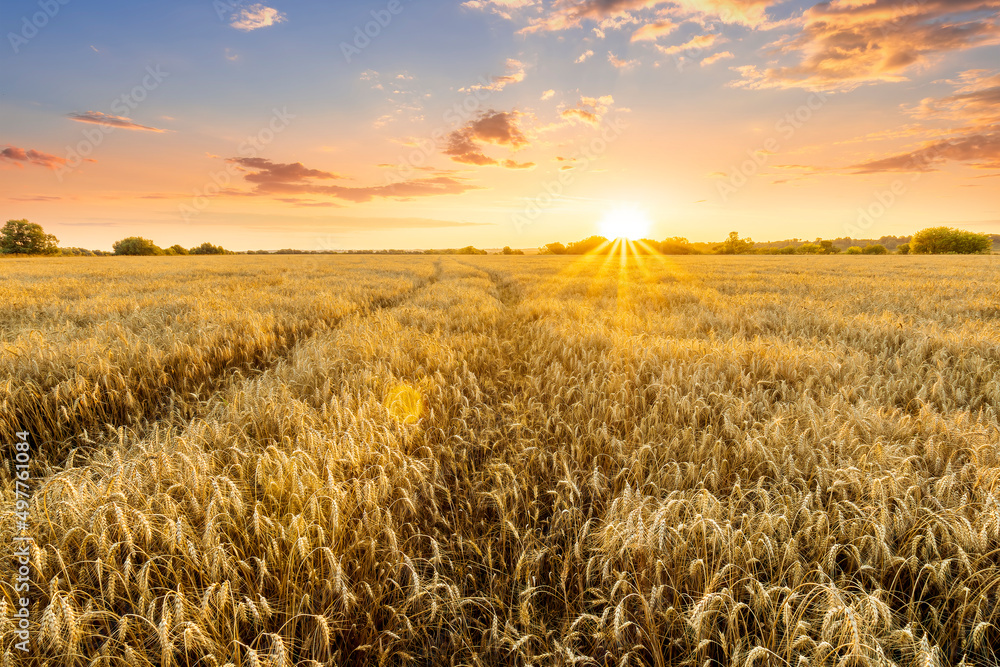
{"x": 20, "y": 237}
{"x": 589, "y": 244}
{"x": 734, "y": 245}
{"x": 829, "y": 248}
{"x": 809, "y": 249}
{"x": 207, "y": 248}
{"x": 853, "y": 250}
{"x": 903, "y": 249}
{"x": 937, "y": 240}
{"x": 676, "y": 245}
{"x": 178, "y": 249}
{"x": 508, "y": 251}
{"x": 553, "y": 249}
{"x": 136, "y": 245}
{"x": 874, "y": 249}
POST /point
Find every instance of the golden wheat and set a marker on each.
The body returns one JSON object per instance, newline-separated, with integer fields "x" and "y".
{"x": 407, "y": 460}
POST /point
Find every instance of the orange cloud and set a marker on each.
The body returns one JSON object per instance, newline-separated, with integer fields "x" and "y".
{"x": 981, "y": 149}
{"x": 492, "y": 127}
{"x": 977, "y": 97}
{"x": 500, "y": 7}
{"x": 976, "y": 104}
{"x": 566, "y": 14}
{"x": 716, "y": 57}
{"x": 270, "y": 171}
{"x": 590, "y": 110}
{"x": 20, "y": 157}
{"x": 847, "y": 43}
{"x": 619, "y": 63}
{"x": 650, "y": 31}
{"x": 99, "y": 118}
{"x": 693, "y": 45}
{"x": 272, "y": 178}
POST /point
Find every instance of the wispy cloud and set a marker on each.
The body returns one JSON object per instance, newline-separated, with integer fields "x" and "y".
{"x": 99, "y": 118}
{"x": 695, "y": 44}
{"x": 846, "y": 43}
{"x": 286, "y": 180}
{"x": 651, "y": 31}
{"x": 716, "y": 57}
{"x": 590, "y": 110}
{"x": 620, "y": 63}
{"x": 515, "y": 74}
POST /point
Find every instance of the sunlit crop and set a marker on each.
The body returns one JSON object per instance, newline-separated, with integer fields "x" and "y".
{"x": 505, "y": 461}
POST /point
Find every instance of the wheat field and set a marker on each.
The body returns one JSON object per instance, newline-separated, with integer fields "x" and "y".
{"x": 358, "y": 460}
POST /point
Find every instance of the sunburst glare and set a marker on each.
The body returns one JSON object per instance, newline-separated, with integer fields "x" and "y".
{"x": 625, "y": 222}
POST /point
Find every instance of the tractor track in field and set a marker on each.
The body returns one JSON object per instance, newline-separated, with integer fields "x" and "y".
{"x": 161, "y": 404}
{"x": 509, "y": 292}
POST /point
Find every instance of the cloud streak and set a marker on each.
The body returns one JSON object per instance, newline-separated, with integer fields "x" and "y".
{"x": 99, "y": 118}
{"x": 289, "y": 180}
{"x": 20, "y": 157}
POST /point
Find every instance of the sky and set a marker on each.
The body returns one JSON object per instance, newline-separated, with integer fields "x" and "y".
{"x": 430, "y": 123}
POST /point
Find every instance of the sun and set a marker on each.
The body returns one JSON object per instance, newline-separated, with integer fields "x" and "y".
{"x": 625, "y": 222}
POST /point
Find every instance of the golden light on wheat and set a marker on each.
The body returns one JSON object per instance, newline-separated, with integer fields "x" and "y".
{"x": 547, "y": 461}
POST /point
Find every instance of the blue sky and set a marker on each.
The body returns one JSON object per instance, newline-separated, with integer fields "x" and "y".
{"x": 778, "y": 120}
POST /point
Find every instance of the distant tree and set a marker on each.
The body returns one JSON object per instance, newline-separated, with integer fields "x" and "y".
{"x": 508, "y": 251}
{"x": 136, "y": 245}
{"x": 734, "y": 245}
{"x": 178, "y": 249}
{"x": 854, "y": 250}
{"x": 677, "y": 245}
{"x": 829, "y": 248}
{"x": 938, "y": 240}
{"x": 553, "y": 249}
{"x": 587, "y": 245}
{"x": 903, "y": 249}
{"x": 20, "y": 237}
{"x": 646, "y": 247}
{"x": 207, "y": 248}
{"x": 874, "y": 249}
{"x": 809, "y": 249}
{"x": 76, "y": 252}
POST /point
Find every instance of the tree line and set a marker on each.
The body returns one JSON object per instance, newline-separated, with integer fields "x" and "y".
{"x": 20, "y": 237}
{"x": 933, "y": 240}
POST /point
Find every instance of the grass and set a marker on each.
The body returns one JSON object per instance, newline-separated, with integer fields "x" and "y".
{"x": 504, "y": 461}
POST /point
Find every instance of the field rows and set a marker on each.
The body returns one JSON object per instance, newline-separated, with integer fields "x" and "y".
{"x": 507, "y": 461}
